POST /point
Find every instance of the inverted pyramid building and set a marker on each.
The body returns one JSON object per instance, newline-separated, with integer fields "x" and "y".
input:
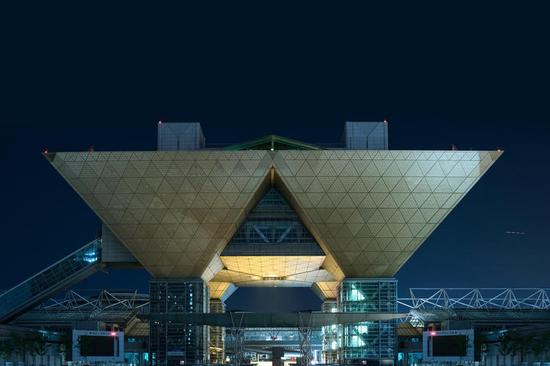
{"x": 366, "y": 211}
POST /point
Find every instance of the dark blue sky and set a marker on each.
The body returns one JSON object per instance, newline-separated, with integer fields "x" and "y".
{"x": 475, "y": 77}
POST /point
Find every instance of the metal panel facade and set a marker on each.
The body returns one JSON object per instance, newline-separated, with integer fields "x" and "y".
{"x": 368, "y": 210}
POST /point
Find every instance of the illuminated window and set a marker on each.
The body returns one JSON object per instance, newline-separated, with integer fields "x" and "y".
{"x": 355, "y": 294}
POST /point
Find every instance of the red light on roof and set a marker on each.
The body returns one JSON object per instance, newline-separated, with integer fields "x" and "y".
{"x": 499, "y": 150}
{"x": 160, "y": 122}
{"x": 433, "y": 333}
{"x": 385, "y": 120}
{"x": 45, "y": 151}
{"x": 113, "y": 334}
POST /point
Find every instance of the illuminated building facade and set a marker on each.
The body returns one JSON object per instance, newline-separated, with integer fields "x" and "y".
{"x": 272, "y": 212}
{"x": 369, "y": 340}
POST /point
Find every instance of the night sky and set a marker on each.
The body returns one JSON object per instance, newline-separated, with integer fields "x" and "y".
{"x": 476, "y": 77}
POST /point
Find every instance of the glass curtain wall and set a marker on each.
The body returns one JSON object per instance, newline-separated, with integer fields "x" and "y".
{"x": 330, "y": 335}
{"x": 217, "y": 335}
{"x": 173, "y": 343}
{"x": 368, "y": 340}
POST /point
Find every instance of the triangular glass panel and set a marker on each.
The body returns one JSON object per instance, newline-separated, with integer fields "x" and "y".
{"x": 272, "y": 228}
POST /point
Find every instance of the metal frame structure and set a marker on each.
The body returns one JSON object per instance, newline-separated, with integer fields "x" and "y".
{"x": 272, "y": 228}
{"x": 104, "y": 302}
{"x": 477, "y": 298}
{"x": 304, "y": 332}
{"x": 103, "y": 305}
{"x": 237, "y": 332}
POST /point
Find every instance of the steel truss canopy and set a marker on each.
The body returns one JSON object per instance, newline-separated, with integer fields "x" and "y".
{"x": 79, "y": 306}
{"x": 480, "y": 304}
{"x": 242, "y": 320}
{"x": 369, "y": 210}
{"x": 477, "y": 299}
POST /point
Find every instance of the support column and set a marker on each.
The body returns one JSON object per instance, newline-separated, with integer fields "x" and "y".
{"x": 330, "y": 334}
{"x": 237, "y": 333}
{"x": 238, "y": 341}
{"x": 173, "y": 343}
{"x": 373, "y": 342}
{"x": 217, "y": 335}
{"x": 277, "y": 353}
{"x": 304, "y": 334}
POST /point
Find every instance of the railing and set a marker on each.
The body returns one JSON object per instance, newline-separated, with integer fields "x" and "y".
{"x": 59, "y": 276}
